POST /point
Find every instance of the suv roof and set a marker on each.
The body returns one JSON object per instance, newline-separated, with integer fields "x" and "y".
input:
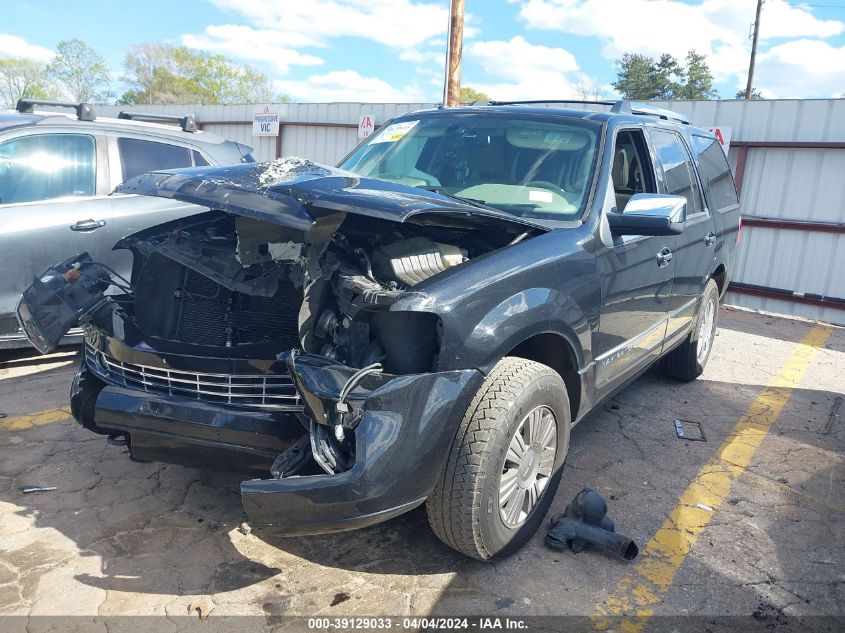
{"x": 621, "y": 110}
{"x": 25, "y": 115}
{"x": 621, "y": 106}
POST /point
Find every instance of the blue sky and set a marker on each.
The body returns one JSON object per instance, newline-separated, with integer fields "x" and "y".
{"x": 392, "y": 50}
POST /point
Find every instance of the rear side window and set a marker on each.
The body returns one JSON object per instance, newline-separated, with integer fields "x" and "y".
{"x": 46, "y": 166}
{"x": 678, "y": 177}
{"x": 199, "y": 159}
{"x": 715, "y": 172}
{"x": 139, "y": 157}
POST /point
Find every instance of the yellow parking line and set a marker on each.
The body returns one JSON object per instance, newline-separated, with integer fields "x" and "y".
{"x": 662, "y": 556}
{"x": 42, "y": 418}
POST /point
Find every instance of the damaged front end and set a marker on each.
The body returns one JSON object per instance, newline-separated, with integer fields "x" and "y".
{"x": 260, "y": 337}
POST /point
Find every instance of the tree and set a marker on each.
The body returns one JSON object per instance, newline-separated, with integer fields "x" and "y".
{"x": 637, "y": 77}
{"x": 162, "y": 73}
{"x": 642, "y": 78}
{"x": 22, "y": 79}
{"x": 81, "y": 71}
{"x": 755, "y": 95}
{"x": 471, "y": 95}
{"x": 698, "y": 80}
{"x": 589, "y": 89}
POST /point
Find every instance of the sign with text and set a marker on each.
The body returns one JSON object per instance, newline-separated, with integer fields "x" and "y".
{"x": 723, "y": 135}
{"x": 265, "y": 121}
{"x": 366, "y": 125}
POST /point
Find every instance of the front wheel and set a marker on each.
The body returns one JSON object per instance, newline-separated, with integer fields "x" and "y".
{"x": 687, "y": 361}
{"x": 505, "y": 463}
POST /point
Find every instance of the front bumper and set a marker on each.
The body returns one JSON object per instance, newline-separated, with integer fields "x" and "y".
{"x": 402, "y": 439}
{"x": 402, "y": 442}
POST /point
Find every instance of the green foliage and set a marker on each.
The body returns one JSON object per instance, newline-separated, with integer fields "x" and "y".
{"x": 81, "y": 71}
{"x": 755, "y": 95}
{"x": 22, "y": 79}
{"x": 642, "y": 78}
{"x": 471, "y": 95}
{"x": 162, "y": 73}
{"x": 698, "y": 80}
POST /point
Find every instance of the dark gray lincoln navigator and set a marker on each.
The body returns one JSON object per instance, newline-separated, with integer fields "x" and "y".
{"x": 422, "y": 324}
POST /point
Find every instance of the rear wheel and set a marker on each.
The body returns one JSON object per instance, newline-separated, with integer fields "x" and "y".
{"x": 505, "y": 463}
{"x": 687, "y": 361}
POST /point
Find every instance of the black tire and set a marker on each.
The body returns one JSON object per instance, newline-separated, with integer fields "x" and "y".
{"x": 463, "y": 510}
{"x": 683, "y": 362}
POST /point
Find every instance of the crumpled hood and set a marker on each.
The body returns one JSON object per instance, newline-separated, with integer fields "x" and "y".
{"x": 296, "y": 193}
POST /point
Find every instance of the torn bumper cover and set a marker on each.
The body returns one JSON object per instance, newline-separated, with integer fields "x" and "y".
{"x": 401, "y": 439}
{"x": 401, "y": 435}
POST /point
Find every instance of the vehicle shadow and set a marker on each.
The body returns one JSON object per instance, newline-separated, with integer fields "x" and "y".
{"x": 155, "y": 528}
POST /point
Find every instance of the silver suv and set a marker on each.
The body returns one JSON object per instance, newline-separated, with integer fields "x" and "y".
{"x": 56, "y": 174}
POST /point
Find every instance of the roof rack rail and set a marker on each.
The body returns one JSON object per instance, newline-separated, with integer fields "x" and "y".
{"x": 187, "y": 122}
{"x": 621, "y": 106}
{"x": 84, "y": 111}
{"x": 532, "y": 101}
{"x": 663, "y": 113}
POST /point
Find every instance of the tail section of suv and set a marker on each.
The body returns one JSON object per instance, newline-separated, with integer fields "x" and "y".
{"x": 423, "y": 324}
{"x": 56, "y": 174}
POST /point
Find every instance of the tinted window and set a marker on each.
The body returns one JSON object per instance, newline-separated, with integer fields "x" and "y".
{"x": 527, "y": 166}
{"x": 199, "y": 160}
{"x": 139, "y": 157}
{"x": 715, "y": 172}
{"x": 46, "y": 166}
{"x": 678, "y": 177}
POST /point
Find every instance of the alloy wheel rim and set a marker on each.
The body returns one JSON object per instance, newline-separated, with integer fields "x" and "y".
{"x": 705, "y": 331}
{"x": 528, "y": 466}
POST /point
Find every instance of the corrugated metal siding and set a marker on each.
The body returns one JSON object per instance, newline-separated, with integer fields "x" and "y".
{"x": 792, "y": 184}
{"x": 321, "y": 144}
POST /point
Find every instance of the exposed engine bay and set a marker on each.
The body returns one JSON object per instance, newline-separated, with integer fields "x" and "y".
{"x": 237, "y": 283}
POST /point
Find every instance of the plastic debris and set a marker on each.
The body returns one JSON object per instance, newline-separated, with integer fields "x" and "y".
{"x": 585, "y": 522}
{"x": 691, "y": 431}
{"x": 30, "y": 489}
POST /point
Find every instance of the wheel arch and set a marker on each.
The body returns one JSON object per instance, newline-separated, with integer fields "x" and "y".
{"x": 556, "y": 351}
{"x": 720, "y": 276}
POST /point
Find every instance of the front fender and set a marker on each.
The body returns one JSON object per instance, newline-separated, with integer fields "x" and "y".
{"x": 519, "y": 317}
{"x": 488, "y": 306}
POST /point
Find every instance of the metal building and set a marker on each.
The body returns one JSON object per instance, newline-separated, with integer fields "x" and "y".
{"x": 788, "y": 158}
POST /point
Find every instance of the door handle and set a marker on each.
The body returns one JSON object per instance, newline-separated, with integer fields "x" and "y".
{"x": 664, "y": 257}
{"x": 87, "y": 225}
{"x": 710, "y": 239}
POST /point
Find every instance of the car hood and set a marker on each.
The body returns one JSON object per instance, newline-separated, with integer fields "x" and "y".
{"x": 300, "y": 194}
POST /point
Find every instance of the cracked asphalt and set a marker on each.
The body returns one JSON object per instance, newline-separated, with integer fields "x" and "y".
{"x": 118, "y": 538}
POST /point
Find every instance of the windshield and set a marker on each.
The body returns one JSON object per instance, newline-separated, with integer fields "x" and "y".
{"x": 528, "y": 166}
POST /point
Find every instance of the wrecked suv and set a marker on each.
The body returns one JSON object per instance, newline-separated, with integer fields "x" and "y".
{"x": 423, "y": 324}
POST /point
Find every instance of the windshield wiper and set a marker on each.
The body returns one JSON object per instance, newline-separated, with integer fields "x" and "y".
{"x": 476, "y": 203}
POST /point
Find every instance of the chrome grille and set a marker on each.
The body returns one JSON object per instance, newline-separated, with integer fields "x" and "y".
{"x": 271, "y": 391}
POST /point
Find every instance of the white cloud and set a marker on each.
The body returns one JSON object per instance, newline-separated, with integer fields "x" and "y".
{"x": 399, "y": 24}
{"x": 525, "y": 70}
{"x": 14, "y": 46}
{"x": 347, "y": 85}
{"x": 716, "y": 28}
{"x": 256, "y": 45}
{"x": 417, "y": 56}
{"x": 802, "y": 67}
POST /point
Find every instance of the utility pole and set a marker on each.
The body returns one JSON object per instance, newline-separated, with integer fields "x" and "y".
{"x": 750, "y": 86}
{"x": 452, "y": 85}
